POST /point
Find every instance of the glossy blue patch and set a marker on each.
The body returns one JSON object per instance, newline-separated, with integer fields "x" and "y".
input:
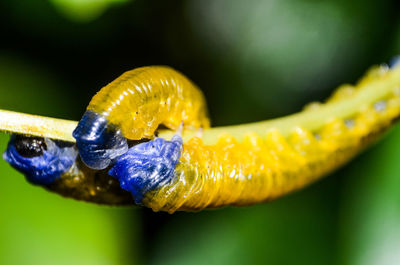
{"x": 394, "y": 62}
{"x": 98, "y": 141}
{"x": 45, "y": 168}
{"x": 147, "y": 166}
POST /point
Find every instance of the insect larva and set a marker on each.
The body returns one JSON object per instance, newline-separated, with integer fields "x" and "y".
{"x": 132, "y": 107}
{"x": 246, "y": 164}
{"x": 246, "y": 167}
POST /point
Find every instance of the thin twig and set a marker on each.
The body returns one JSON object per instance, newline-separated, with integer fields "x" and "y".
{"x": 370, "y": 93}
{"x": 35, "y": 125}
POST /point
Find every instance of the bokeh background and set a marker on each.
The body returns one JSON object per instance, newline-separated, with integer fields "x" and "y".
{"x": 254, "y": 60}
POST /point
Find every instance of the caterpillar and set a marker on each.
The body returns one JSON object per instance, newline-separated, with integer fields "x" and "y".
{"x": 197, "y": 167}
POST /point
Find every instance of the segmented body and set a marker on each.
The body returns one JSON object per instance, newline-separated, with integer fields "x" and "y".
{"x": 260, "y": 165}
{"x": 263, "y": 167}
{"x": 140, "y": 100}
{"x": 236, "y": 165}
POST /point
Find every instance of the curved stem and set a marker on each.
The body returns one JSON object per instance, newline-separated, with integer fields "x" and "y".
{"x": 370, "y": 93}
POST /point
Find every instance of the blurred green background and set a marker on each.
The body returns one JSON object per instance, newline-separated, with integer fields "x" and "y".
{"x": 254, "y": 60}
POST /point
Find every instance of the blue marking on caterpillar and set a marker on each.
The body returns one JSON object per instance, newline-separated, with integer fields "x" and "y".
{"x": 98, "y": 141}
{"x": 42, "y": 169}
{"x": 394, "y": 62}
{"x": 147, "y": 166}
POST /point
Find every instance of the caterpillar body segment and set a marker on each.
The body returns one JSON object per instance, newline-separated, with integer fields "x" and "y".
{"x": 262, "y": 168}
{"x": 141, "y": 99}
{"x": 267, "y": 163}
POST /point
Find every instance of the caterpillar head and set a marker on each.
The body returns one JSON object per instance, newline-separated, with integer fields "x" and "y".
{"x": 41, "y": 160}
{"x": 147, "y": 166}
{"x": 99, "y": 142}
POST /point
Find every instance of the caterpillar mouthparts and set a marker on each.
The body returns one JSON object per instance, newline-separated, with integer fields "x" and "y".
{"x": 41, "y": 160}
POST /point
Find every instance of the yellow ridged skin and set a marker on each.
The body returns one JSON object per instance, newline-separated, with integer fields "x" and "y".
{"x": 252, "y": 166}
{"x": 230, "y": 165}
{"x": 140, "y": 100}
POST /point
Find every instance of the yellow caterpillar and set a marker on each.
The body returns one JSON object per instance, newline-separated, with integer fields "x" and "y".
{"x": 262, "y": 161}
{"x": 207, "y": 168}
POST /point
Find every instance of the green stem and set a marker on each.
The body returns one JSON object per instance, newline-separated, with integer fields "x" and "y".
{"x": 370, "y": 93}
{"x": 378, "y": 89}
{"x": 34, "y": 125}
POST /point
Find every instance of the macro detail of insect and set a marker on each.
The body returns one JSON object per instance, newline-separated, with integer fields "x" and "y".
{"x": 123, "y": 155}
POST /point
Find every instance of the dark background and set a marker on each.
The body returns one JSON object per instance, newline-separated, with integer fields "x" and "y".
{"x": 254, "y": 60}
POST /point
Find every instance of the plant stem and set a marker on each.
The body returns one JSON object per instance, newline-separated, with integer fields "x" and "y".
{"x": 34, "y": 125}
{"x": 369, "y": 93}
